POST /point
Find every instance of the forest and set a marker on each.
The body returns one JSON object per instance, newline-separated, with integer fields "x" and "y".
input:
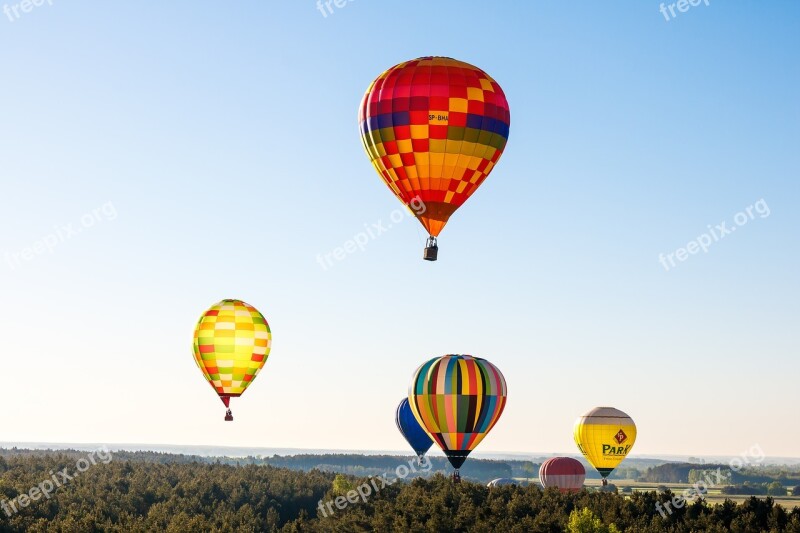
{"x": 146, "y": 491}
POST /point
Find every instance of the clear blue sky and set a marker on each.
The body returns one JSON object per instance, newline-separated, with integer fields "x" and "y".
{"x": 222, "y": 141}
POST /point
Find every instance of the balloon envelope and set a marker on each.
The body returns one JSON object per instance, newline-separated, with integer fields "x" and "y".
{"x": 434, "y": 128}
{"x": 502, "y": 482}
{"x": 565, "y": 473}
{"x": 457, "y": 399}
{"x": 414, "y": 433}
{"x": 604, "y": 436}
{"x": 232, "y": 341}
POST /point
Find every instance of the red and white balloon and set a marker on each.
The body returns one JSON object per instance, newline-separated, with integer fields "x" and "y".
{"x": 565, "y": 473}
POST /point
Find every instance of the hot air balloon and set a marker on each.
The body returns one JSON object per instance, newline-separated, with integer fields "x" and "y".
{"x": 232, "y": 341}
{"x": 502, "y": 482}
{"x": 564, "y": 473}
{"x": 414, "y": 433}
{"x": 457, "y": 399}
{"x": 604, "y": 436}
{"x": 434, "y": 128}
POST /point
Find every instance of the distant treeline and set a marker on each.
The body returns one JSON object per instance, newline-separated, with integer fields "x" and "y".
{"x": 682, "y": 473}
{"x": 146, "y": 492}
{"x": 375, "y": 465}
{"x": 482, "y": 470}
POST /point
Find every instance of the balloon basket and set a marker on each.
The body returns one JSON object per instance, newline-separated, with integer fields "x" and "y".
{"x": 228, "y": 416}
{"x": 456, "y": 477}
{"x": 431, "y": 252}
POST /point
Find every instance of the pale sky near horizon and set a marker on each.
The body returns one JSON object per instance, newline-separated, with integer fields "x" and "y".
{"x": 207, "y": 152}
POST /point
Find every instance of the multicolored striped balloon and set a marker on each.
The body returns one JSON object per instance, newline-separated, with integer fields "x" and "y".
{"x": 564, "y": 473}
{"x": 434, "y": 128}
{"x": 232, "y": 341}
{"x": 457, "y": 399}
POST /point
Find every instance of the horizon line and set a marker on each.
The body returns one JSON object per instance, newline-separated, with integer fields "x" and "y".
{"x": 343, "y": 451}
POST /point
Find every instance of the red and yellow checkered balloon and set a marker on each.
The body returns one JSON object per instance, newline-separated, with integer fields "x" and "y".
{"x": 232, "y": 341}
{"x": 434, "y": 129}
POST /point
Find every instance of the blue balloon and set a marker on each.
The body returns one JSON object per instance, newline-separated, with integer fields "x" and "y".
{"x": 411, "y": 430}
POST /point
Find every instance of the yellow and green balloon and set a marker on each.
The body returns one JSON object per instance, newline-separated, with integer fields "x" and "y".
{"x": 232, "y": 341}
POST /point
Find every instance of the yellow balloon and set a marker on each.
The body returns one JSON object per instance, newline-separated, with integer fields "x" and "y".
{"x": 604, "y": 436}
